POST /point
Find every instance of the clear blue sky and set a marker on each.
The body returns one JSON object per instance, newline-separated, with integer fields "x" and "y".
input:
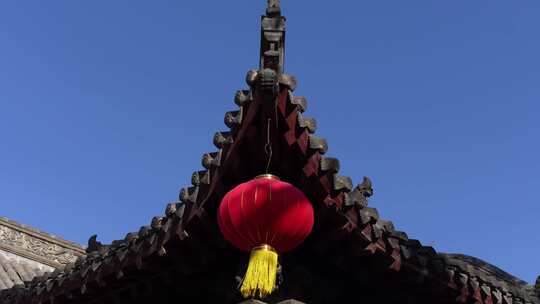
{"x": 107, "y": 106}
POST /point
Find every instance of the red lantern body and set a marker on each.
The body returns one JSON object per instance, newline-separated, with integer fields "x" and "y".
{"x": 267, "y": 211}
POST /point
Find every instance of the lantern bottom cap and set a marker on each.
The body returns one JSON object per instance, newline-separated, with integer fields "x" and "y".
{"x": 264, "y": 247}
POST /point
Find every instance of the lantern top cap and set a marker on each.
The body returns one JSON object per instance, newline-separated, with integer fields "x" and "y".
{"x": 268, "y": 176}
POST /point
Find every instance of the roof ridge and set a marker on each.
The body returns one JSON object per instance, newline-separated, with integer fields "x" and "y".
{"x": 40, "y": 234}
{"x": 37, "y": 245}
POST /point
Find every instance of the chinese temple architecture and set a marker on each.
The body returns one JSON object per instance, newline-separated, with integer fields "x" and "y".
{"x": 350, "y": 254}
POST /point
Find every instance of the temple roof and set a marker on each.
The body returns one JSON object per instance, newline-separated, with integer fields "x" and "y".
{"x": 26, "y": 253}
{"x": 350, "y": 239}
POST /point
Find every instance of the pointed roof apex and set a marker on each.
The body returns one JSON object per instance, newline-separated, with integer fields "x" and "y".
{"x": 273, "y": 8}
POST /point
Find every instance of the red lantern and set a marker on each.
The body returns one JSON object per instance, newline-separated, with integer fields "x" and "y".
{"x": 265, "y": 216}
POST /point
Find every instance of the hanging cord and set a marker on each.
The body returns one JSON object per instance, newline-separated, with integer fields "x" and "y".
{"x": 268, "y": 146}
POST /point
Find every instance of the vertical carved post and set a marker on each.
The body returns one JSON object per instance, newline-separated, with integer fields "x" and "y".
{"x": 272, "y": 38}
{"x": 267, "y": 89}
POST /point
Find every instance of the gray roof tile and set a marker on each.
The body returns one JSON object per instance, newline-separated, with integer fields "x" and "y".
{"x": 16, "y": 272}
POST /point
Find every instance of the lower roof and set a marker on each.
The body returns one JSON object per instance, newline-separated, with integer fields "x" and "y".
{"x": 17, "y": 271}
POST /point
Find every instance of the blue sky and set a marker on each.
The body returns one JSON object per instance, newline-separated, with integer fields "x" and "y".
{"x": 107, "y": 106}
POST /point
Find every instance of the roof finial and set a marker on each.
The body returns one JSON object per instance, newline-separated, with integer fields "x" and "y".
{"x": 272, "y": 38}
{"x": 273, "y": 8}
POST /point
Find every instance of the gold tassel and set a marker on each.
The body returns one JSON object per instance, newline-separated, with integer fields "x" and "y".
{"x": 260, "y": 278}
